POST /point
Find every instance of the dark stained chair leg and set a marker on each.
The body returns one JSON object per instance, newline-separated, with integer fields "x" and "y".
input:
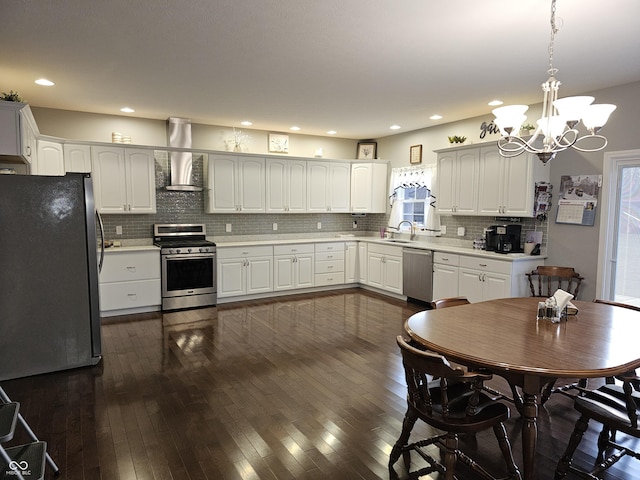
{"x": 574, "y": 441}
{"x": 501, "y": 435}
{"x": 407, "y": 425}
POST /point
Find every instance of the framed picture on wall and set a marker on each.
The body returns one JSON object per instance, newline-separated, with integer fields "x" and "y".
{"x": 278, "y": 143}
{"x": 415, "y": 154}
{"x": 367, "y": 150}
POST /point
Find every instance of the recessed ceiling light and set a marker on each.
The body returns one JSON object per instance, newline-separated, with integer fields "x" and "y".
{"x": 44, "y": 82}
{"x": 436, "y": 117}
{"x": 495, "y": 103}
{"x": 294, "y": 128}
{"x": 331, "y": 132}
{"x": 127, "y": 110}
{"x": 246, "y": 123}
{"x": 395, "y": 127}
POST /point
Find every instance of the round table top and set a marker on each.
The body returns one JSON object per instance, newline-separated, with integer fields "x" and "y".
{"x": 504, "y": 335}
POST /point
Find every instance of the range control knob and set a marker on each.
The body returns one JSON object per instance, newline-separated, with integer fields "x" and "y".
{"x": 178, "y": 250}
{"x": 189, "y": 250}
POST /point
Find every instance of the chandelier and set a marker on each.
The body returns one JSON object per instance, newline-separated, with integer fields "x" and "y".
{"x": 556, "y": 129}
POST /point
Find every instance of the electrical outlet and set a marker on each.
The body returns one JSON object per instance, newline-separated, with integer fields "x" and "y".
{"x": 275, "y": 226}
{"x": 119, "y": 230}
{"x": 443, "y": 229}
{"x": 319, "y": 225}
{"x": 355, "y": 224}
{"x": 461, "y": 231}
{"x": 227, "y": 228}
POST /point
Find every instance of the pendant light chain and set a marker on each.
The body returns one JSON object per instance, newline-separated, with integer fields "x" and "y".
{"x": 554, "y": 29}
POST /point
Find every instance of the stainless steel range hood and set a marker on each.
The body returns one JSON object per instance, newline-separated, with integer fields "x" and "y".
{"x": 181, "y": 169}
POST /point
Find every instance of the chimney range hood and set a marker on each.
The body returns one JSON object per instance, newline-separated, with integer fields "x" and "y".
{"x": 181, "y": 163}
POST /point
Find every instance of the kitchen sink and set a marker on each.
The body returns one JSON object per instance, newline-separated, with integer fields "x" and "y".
{"x": 397, "y": 240}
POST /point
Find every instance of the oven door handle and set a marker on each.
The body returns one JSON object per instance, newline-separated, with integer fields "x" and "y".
{"x": 189, "y": 255}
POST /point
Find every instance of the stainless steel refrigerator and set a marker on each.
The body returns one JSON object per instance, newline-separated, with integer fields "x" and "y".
{"x": 49, "y": 305}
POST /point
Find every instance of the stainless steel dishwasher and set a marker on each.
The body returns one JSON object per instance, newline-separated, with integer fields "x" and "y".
{"x": 417, "y": 274}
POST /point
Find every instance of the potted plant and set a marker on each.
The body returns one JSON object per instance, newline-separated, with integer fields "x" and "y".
{"x": 457, "y": 140}
{"x": 11, "y": 97}
{"x": 526, "y": 129}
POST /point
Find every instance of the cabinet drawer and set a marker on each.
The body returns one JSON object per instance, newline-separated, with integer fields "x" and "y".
{"x": 123, "y": 295}
{"x": 296, "y": 249}
{"x": 238, "y": 252}
{"x": 386, "y": 250}
{"x": 329, "y": 256}
{"x": 328, "y": 266}
{"x": 335, "y": 278}
{"x": 127, "y": 266}
{"x": 446, "y": 258}
{"x": 330, "y": 247}
{"x": 485, "y": 264}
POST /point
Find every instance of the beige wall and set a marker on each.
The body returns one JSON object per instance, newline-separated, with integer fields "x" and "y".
{"x": 92, "y": 127}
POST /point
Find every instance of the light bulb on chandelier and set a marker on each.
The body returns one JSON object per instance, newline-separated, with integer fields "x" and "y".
{"x": 556, "y": 129}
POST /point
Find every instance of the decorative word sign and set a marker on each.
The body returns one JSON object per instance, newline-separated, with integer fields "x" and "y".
{"x": 488, "y": 127}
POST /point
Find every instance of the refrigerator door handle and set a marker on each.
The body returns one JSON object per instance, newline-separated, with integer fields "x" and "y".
{"x": 101, "y": 241}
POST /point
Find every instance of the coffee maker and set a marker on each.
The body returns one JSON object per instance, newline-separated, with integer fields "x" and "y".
{"x": 504, "y": 238}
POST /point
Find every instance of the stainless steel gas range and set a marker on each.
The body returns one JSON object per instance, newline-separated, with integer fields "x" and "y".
{"x": 188, "y": 265}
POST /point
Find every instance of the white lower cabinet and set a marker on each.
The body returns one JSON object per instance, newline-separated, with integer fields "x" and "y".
{"x": 329, "y": 264}
{"x": 478, "y": 280}
{"x": 486, "y": 279}
{"x": 293, "y": 266}
{"x": 445, "y": 275}
{"x": 244, "y": 270}
{"x": 362, "y": 263}
{"x": 384, "y": 267}
{"x": 351, "y": 262}
{"x": 130, "y": 282}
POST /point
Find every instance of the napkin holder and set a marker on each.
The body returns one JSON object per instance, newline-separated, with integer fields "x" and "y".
{"x": 556, "y": 307}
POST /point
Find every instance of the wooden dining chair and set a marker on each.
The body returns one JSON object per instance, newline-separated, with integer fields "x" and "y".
{"x": 616, "y": 415}
{"x": 543, "y": 282}
{"x": 453, "y": 404}
{"x": 546, "y": 279}
{"x": 457, "y": 301}
{"x": 449, "y": 302}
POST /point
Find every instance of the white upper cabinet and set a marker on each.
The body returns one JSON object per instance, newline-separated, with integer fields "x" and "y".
{"x": 235, "y": 184}
{"x": 457, "y": 180}
{"x": 50, "y": 159}
{"x": 286, "y": 185}
{"x": 18, "y": 131}
{"x": 507, "y": 184}
{"x": 477, "y": 180}
{"x": 77, "y": 158}
{"x": 369, "y": 187}
{"x": 328, "y": 186}
{"x": 124, "y": 180}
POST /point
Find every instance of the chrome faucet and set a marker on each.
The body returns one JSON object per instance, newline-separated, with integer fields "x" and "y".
{"x": 413, "y": 230}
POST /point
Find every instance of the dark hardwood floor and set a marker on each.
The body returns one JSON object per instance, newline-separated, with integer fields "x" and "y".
{"x": 300, "y": 387}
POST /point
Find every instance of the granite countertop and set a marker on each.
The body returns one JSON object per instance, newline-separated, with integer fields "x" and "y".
{"x": 425, "y": 243}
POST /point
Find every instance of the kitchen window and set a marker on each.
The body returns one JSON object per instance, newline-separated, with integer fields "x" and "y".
{"x": 414, "y": 204}
{"x": 412, "y": 199}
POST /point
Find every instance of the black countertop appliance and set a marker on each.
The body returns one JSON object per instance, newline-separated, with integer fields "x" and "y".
{"x": 507, "y": 238}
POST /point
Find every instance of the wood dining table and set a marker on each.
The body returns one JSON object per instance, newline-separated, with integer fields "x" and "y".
{"x": 505, "y": 337}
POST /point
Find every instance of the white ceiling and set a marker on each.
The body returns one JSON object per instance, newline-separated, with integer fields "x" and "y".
{"x": 354, "y": 66}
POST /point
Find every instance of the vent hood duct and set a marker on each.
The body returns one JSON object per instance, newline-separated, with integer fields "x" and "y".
{"x": 181, "y": 169}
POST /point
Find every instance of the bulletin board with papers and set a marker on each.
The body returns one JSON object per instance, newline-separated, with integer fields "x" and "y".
{"x": 578, "y": 199}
